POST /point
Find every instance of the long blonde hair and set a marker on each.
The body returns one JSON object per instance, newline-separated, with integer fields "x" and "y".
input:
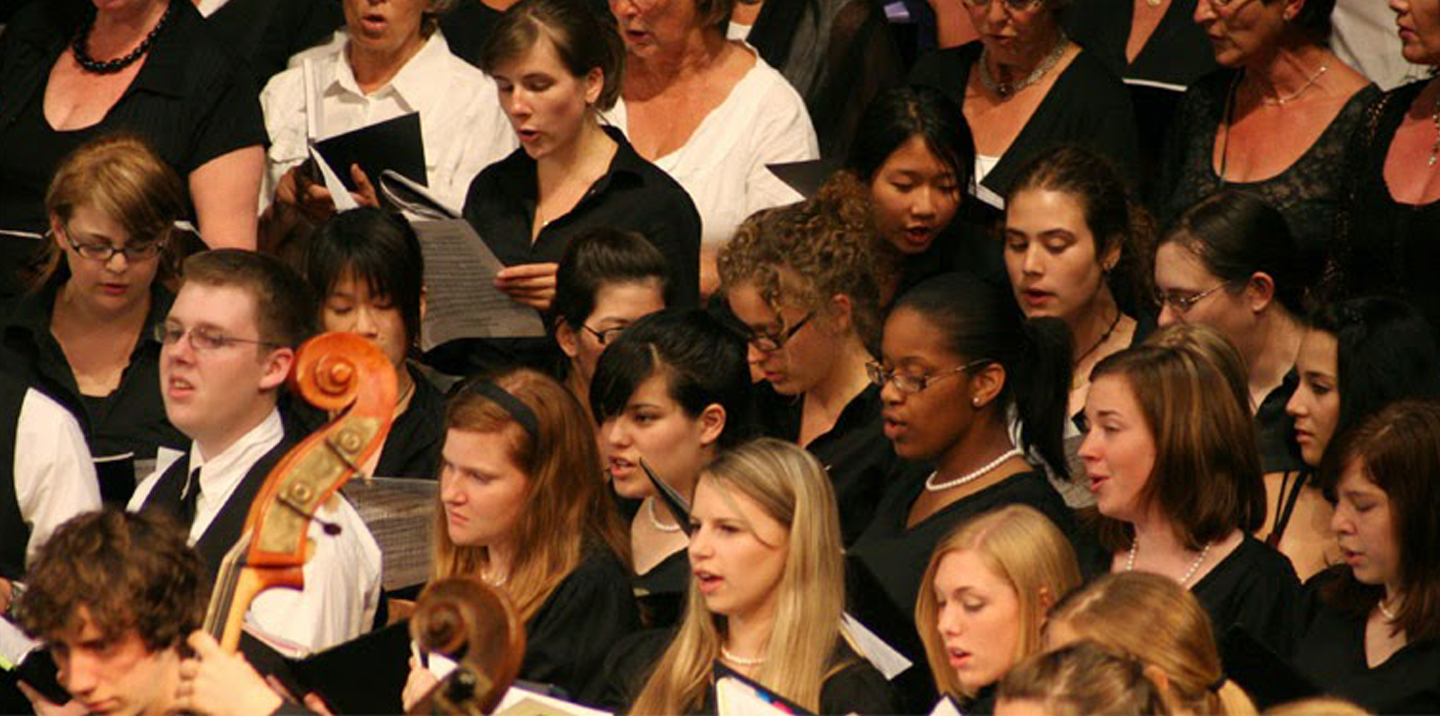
{"x": 1021, "y": 546}
{"x": 792, "y": 487}
{"x": 1177, "y": 637}
{"x": 566, "y": 510}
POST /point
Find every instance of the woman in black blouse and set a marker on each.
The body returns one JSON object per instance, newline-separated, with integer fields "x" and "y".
{"x": 672, "y": 390}
{"x": 83, "y": 333}
{"x": 72, "y": 70}
{"x": 804, "y": 279}
{"x": 1373, "y": 635}
{"x": 1387, "y": 240}
{"x": 958, "y": 357}
{"x": 367, "y": 266}
{"x": 1229, "y": 263}
{"x": 558, "y": 65}
{"x": 766, "y": 597}
{"x": 1274, "y": 121}
{"x": 522, "y": 507}
{"x": 1172, "y": 461}
{"x": 1357, "y": 357}
{"x": 1025, "y": 87}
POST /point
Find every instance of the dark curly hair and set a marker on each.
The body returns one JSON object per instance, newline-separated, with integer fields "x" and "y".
{"x": 126, "y": 570}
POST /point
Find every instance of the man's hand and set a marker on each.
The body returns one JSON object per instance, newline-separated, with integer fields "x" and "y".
{"x": 530, "y": 284}
{"x": 418, "y": 684}
{"x": 215, "y": 682}
{"x": 43, "y": 706}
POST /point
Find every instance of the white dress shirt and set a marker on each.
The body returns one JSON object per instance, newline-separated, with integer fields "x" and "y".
{"x": 461, "y": 124}
{"x": 342, "y": 577}
{"x": 763, "y": 121}
{"x": 54, "y": 476}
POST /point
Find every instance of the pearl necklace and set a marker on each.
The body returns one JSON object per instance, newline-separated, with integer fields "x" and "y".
{"x": 1006, "y": 90}
{"x": 1135, "y": 549}
{"x": 740, "y": 661}
{"x": 1435, "y": 120}
{"x": 1385, "y": 611}
{"x": 655, "y": 521}
{"x": 933, "y": 486}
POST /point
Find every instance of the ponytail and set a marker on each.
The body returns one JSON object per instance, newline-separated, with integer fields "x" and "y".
{"x": 1041, "y": 382}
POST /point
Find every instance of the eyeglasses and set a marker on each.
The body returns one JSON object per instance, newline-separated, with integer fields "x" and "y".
{"x": 912, "y": 384}
{"x": 1227, "y": 5}
{"x": 202, "y": 338}
{"x": 766, "y": 342}
{"x": 104, "y": 252}
{"x": 1011, "y": 5}
{"x": 1183, "y": 301}
{"x": 606, "y": 335}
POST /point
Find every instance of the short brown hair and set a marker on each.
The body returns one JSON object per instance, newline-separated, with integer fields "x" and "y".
{"x": 828, "y": 243}
{"x": 286, "y": 312}
{"x": 121, "y": 177}
{"x": 125, "y": 570}
{"x": 583, "y": 38}
{"x": 1207, "y": 477}
{"x": 1399, "y": 449}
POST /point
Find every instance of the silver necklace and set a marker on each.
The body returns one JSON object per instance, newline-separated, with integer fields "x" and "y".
{"x": 1135, "y": 548}
{"x": 740, "y": 661}
{"x": 1282, "y": 101}
{"x": 655, "y": 521}
{"x": 1435, "y": 120}
{"x": 1006, "y": 90}
{"x": 933, "y": 486}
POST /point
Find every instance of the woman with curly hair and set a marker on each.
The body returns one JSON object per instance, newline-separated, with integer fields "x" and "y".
{"x": 802, "y": 279}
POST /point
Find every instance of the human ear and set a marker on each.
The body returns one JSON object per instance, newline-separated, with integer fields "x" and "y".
{"x": 565, "y": 336}
{"x": 712, "y": 424}
{"x": 594, "y": 85}
{"x": 277, "y": 368}
{"x": 844, "y": 312}
{"x": 1259, "y": 291}
{"x": 986, "y": 384}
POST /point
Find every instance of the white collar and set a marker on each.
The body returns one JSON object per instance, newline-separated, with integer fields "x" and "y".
{"x": 219, "y": 472}
{"x": 419, "y": 84}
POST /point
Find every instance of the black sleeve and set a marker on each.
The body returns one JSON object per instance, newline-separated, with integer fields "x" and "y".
{"x": 674, "y": 228}
{"x": 858, "y": 688}
{"x": 226, "y": 115}
{"x": 569, "y": 638}
{"x": 1263, "y": 602}
{"x": 1184, "y": 129}
{"x": 629, "y": 666}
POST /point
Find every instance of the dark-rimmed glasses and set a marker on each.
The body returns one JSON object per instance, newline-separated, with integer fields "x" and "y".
{"x": 767, "y": 342}
{"x": 142, "y": 251}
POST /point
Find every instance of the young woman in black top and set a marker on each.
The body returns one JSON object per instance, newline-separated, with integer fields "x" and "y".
{"x": 83, "y": 333}
{"x": 1356, "y": 357}
{"x": 522, "y": 507}
{"x": 1230, "y": 262}
{"x": 1171, "y": 458}
{"x": 367, "y": 266}
{"x": 957, "y": 358}
{"x": 672, "y": 390}
{"x": 914, "y": 151}
{"x": 766, "y": 596}
{"x": 558, "y": 64}
{"x": 804, "y": 279}
{"x": 1373, "y": 632}
{"x": 607, "y": 280}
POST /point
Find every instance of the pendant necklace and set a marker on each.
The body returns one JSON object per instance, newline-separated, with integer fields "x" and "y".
{"x": 1006, "y": 90}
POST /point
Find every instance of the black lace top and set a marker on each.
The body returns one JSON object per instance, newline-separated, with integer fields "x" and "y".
{"x": 1382, "y": 245}
{"x": 1308, "y": 192}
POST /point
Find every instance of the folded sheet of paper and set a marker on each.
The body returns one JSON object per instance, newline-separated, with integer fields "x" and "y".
{"x": 461, "y": 298}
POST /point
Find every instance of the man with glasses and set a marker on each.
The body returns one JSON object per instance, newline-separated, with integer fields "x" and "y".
{"x": 229, "y": 344}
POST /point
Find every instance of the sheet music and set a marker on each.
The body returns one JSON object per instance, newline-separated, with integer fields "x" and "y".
{"x": 462, "y": 300}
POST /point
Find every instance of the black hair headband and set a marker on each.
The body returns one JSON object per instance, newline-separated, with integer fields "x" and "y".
{"x": 512, "y": 405}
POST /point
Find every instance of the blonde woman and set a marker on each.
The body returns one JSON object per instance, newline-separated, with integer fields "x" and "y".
{"x": 1177, "y": 637}
{"x": 522, "y": 506}
{"x": 987, "y": 590}
{"x": 766, "y": 596}
{"x": 1080, "y": 679}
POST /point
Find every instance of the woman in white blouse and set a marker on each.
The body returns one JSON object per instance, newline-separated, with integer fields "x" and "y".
{"x": 710, "y": 112}
{"x": 390, "y": 60}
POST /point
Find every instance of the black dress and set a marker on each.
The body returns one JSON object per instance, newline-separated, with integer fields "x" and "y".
{"x": 266, "y": 33}
{"x": 568, "y": 638}
{"x": 661, "y": 591}
{"x": 1254, "y": 588}
{"x": 124, "y": 429}
{"x": 412, "y": 449}
{"x": 190, "y": 100}
{"x": 854, "y": 452}
{"x": 1308, "y": 193}
{"x": 1384, "y": 246}
{"x": 1331, "y": 652}
{"x": 633, "y": 195}
{"x": 1177, "y": 52}
{"x": 885, "y": 566}
{"x": 854, "y": 687}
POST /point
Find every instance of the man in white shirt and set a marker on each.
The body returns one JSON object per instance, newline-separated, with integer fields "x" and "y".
{"x": 229, "y": 344}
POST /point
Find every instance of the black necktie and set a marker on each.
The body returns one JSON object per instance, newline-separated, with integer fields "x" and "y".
{"x": 188, "y": 498}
